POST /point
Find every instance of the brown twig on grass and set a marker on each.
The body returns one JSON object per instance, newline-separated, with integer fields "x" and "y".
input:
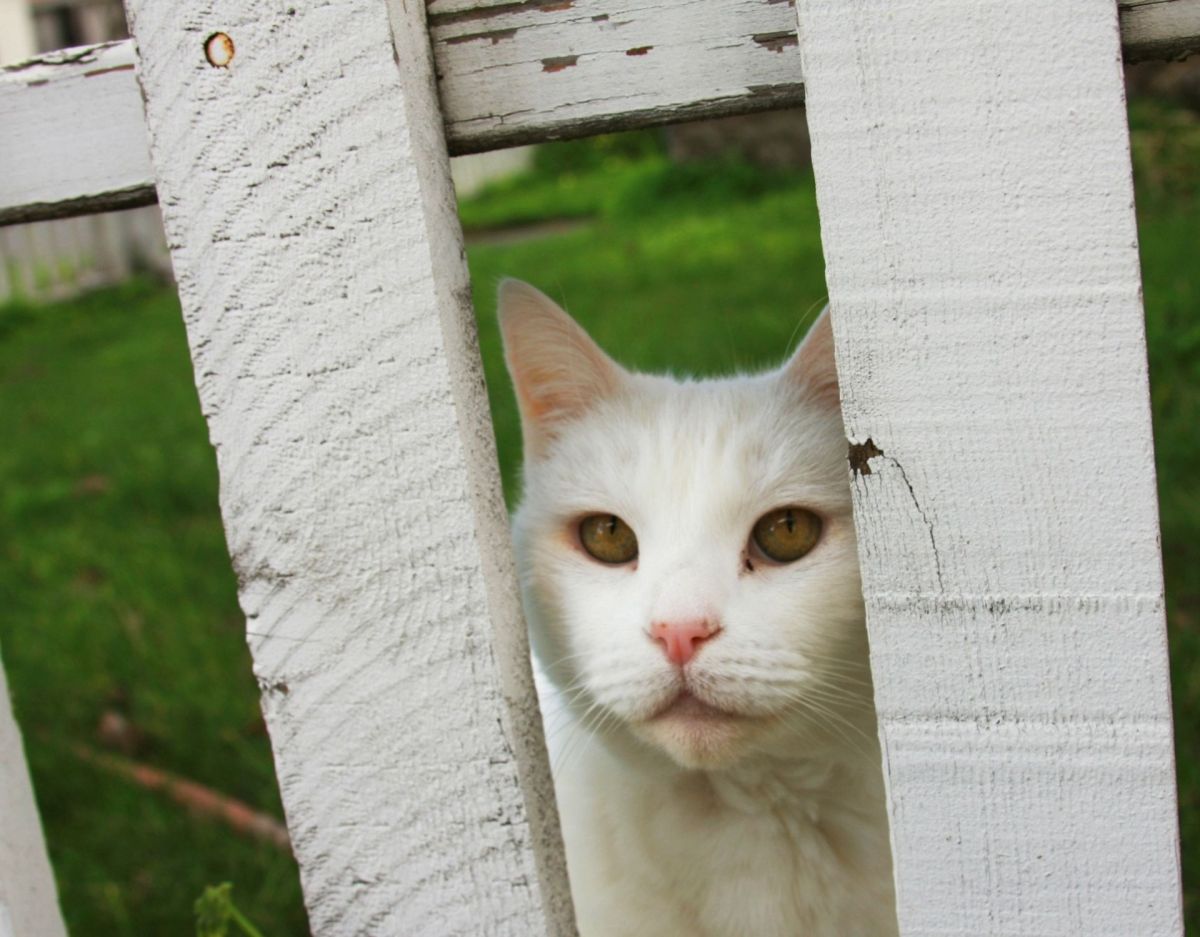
{"x": 196, "y": 797}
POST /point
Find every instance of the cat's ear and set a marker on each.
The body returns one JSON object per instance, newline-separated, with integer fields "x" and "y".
{"x": 813, "y": 364}
{"x": 557, "y": 370}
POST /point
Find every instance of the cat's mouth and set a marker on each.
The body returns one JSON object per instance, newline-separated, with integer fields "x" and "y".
{"x": 696, "y": 733}
{"x": 686, "y": 705}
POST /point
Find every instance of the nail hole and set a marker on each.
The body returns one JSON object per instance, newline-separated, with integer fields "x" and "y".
{"x": 218, "y": 49}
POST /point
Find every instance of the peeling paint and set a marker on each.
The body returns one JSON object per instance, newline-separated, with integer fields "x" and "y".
{"x": 495, "y": 35}
{"x": 638, "y": 50}
{"x": 484, "y": 13}
{"x": 105, "y": 71}
{"x": 860, "y": 456}
{"x": 64, "y": 57}
{"x": 559, "y": 62}
{"x": 776, "y": 42}
{"x": 784, "y": 91}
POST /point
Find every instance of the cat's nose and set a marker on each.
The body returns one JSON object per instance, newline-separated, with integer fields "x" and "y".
{"x": 682, "y": 639}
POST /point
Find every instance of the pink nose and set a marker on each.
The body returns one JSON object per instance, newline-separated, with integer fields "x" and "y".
{"x": 681, "y": 639}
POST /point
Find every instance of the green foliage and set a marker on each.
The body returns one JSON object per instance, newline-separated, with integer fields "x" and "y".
{"x": 661, "y": 187}
{"x": 1165, "y": 144}
{"x": 215, "y": 911}
{"x": 529, "y": 198}
{"x": 567, "y": 180}
{"x": 618, "y": 190}
{"x": 602, "y": 153}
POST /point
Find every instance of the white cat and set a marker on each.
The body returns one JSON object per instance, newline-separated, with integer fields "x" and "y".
{"x": 688, "y": 567}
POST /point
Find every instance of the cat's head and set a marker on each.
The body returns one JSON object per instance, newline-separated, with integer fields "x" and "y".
{"x": 686, "y": 548}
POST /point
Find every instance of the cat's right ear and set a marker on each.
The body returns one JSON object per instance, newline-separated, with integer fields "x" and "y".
{"x": 557, "y": 370}
{"x": 813, "y": 365}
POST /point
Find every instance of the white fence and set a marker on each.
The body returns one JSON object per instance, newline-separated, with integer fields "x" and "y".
{"x": 974, "y": 184}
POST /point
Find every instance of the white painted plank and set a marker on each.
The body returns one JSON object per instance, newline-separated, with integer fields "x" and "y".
{"x": 976, "y": 203}
{"x": 74, "y": 136}
{"x": 520, "y": 72}
{"x": 28, "y": 898}
{"x": 508, "y": 73}
{"x": 306, "y": 194}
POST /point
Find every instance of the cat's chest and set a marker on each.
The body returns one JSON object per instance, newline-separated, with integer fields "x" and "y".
{"x": 785, "y": 862}
{"x": 687, "y": 857}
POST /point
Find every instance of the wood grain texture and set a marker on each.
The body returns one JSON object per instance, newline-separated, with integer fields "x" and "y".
{"x": 508, "y": 73}
{"x": 28, "y": 898}
{"x": 305, "y": 191}
{"x": 519, "y": 72}
{"x": 976, "y": 204}
{"x": 74, "y": 135}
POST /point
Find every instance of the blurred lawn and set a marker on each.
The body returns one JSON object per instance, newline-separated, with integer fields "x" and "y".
{"x": 115, "y": 588}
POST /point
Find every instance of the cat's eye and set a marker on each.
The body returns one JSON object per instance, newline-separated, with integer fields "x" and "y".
{"x": 786, "y": 534}
{"x": 608, "y": 538}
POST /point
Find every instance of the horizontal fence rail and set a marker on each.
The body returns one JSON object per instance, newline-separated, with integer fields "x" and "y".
{"x": 74, "y": 135}
{"x": 508, "y": 73}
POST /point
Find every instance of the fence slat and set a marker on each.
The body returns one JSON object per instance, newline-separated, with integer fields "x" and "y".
{"x": 508, "y": 73}
{"x": 306, "y": 194}
{"x": 74, "y": 135}
{"x": 28, "y": 898}
{"x": 976, "y": 203}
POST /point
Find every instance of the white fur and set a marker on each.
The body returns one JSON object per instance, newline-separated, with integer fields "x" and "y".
{"x": 769, "y": 823}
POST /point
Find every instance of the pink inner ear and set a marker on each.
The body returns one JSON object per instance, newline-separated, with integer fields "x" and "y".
{"x": 557, "y": 370}
{"x": 536, "y": 395}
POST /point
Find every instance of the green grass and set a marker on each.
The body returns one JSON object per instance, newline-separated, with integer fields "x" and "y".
{"x": 1166, "y": 148}
{"x": 115, "y": 588}
{"x": 116, "y": 594}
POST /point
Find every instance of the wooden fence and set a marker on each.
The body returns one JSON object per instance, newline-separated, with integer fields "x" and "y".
{"x": 974, "y": 185}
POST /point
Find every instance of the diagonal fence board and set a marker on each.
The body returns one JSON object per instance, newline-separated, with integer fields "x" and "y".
{"x": 306, "y": 195}
{"x": 28, "y": 897}
{"x": 508, "y": 73}
{"x": 976, "y": 204}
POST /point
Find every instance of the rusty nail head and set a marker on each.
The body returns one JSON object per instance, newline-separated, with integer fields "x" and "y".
{"x": 218, "y": 49}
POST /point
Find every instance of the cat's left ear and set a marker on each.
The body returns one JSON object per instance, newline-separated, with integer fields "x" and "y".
{"x": 813, "y": 364}
{"x": 558, "y": 372}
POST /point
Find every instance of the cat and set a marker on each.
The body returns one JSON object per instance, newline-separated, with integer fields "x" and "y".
{"x": 688, "y": 567}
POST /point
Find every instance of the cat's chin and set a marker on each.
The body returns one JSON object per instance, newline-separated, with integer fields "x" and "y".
{"x": 697, "y": 735}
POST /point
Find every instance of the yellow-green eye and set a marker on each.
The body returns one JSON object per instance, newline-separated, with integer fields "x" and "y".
{"x": 786, "y": 534}
{"x": 608, "y": 538}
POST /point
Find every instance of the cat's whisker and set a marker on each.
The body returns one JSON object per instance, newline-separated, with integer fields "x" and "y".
{"x": 585, "y": 734}
{"x": 833, "y": 722}
{"x": 821, "y": 706}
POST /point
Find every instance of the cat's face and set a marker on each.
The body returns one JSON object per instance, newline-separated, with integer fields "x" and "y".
{"x": 654, "y": 601}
